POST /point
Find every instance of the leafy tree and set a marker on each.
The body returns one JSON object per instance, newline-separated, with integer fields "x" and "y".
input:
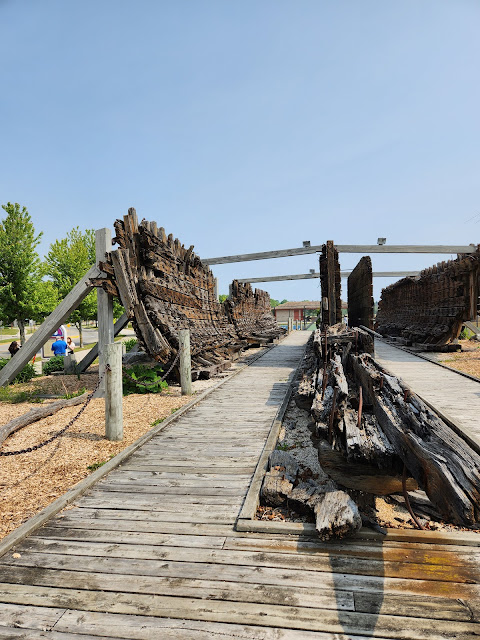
{"x": 23, "y": 295}
{"x": 66, "y": 263}
{"x": 274, "y": 303}
{"x": 222, "y": 297}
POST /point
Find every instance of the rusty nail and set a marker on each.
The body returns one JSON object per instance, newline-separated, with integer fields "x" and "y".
{"x": 360, "y": 407}
{"x": 332, "y": 414}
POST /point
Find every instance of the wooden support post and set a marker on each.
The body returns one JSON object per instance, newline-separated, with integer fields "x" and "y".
{"x": 70, "y": 364}
{"x": 185, "y": 364}
{"x": 93, "y": 353}
{"x": 103, "y": 245}
{"x": 113, "y": 392}
{"x": 290, "y": 325}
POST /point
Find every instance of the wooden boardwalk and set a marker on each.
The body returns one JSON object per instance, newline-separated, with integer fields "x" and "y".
{"x": 151, "y": 553}
{"x": 454, "y": 395}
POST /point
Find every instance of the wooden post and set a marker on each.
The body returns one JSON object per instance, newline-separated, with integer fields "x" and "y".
{"x": 70, "y": 364}
{"x": 103, "y": 245}
{"x": 93, "y": 353}
{"x": 185, "y": 364}
{"x": 290, "y": 325}
{"x": 113, "y": 392}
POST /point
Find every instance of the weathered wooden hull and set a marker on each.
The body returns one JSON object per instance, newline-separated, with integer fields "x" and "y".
{"x": 165, "y": 287}
{"x": 431, "y": 308}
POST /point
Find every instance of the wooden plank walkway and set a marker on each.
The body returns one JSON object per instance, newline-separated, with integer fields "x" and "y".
{"x": 151, "y": 553}
{"x": 449, "y": 392}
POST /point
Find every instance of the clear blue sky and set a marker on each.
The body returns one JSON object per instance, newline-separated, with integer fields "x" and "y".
{"x": 247, "y": 126}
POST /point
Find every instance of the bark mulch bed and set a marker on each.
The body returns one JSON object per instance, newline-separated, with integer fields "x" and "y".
{"x": 467, "y": 360}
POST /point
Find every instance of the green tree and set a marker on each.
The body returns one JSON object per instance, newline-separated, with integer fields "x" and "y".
{"x": 67, "y": 262}
{"x": 23, "y": 295}
{"x": 222, "y": 297}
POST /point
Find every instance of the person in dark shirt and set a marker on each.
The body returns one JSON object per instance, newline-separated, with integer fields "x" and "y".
{"x": 13, "y": 348}
{"x": 59, "y": 347}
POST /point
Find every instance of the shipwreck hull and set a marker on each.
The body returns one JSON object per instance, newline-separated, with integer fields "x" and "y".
{"x": 165, "y": 288}
{"x": 431, "y": 308}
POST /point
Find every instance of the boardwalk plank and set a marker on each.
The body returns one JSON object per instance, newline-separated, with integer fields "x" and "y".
{"x": 289, "y": 617}
{"x": 135, "y": 627}
{"x": 250, "y": 575}
{"x": 310, "y": 563}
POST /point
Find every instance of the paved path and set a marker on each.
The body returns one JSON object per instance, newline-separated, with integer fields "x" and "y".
{"x": 151, "y": 553}
{"x": 451, "y": 393}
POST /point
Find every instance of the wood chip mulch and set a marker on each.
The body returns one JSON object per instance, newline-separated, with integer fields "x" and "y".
{"x": 467, "y": 360}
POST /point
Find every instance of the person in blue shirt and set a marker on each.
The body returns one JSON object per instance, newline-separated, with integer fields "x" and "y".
{"x": 59, "y": 347}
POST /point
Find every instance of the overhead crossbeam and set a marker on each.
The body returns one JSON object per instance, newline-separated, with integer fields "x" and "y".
{"x": 344, "y": 274}
{"x": 344, "y": 248}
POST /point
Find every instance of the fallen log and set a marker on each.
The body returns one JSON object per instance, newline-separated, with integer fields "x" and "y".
{"x": 443, "y": 464}
{"x": 37, "y": 414}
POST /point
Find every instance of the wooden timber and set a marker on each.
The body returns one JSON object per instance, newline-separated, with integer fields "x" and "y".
{"x": 130, "y": 570}
{"x": 344, "y": 248}
{"x": 330, "y": 281}
{"x": 444, "y": 464}
{"x": 360, "y": 294}
{"x": 165, "y": 288}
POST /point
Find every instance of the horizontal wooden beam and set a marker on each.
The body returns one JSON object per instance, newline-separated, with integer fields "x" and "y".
{"x": 344, "y": 248}
{"x": 344, "y": 274}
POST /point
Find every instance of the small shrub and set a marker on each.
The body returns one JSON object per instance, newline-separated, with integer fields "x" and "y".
{"x": 129, "y": 344}
{"x": 26, "y": 374}
{"x": 96, "y": 465}
{"x": 54, "y": 364}
{"x": 74, "y": 394}
{"x": 142, "y": 374}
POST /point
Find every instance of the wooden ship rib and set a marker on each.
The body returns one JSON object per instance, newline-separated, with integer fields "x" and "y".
{"x": 165, "y": 287}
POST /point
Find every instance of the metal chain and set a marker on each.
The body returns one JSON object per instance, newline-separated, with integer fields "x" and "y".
{"x": 153, "y": 384}
{"x": 62, "y": 431}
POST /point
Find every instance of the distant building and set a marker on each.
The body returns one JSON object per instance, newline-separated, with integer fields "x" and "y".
{"x": 300, "y": 310}
{"x": 296, "y": 310}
